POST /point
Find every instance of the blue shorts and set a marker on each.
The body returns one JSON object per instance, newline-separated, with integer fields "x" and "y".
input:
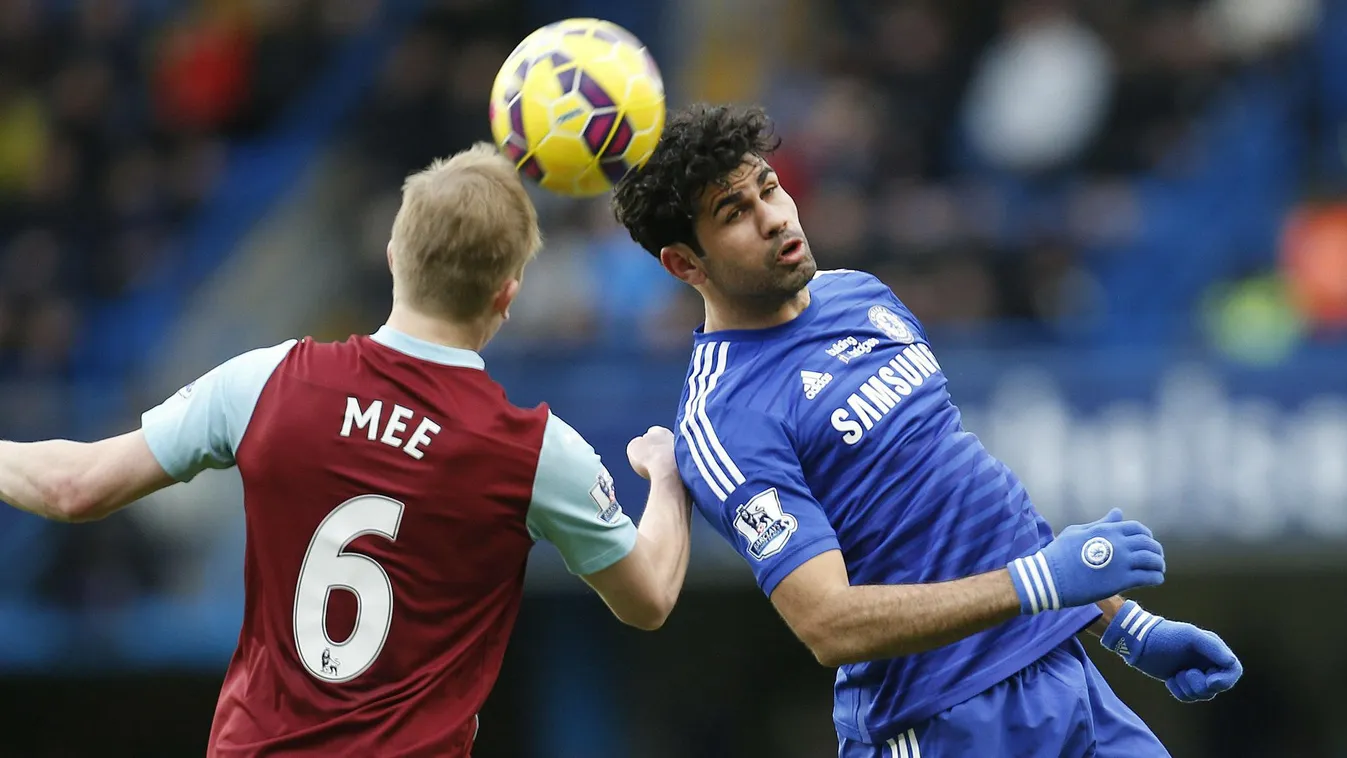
{"x": 1057, "y": 707}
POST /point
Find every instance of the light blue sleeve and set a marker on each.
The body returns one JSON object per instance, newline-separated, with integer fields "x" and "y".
{"x": 201, "y": 426}
{"x": 574, "y": 506}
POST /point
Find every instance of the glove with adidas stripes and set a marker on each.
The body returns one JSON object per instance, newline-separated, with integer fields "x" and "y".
{"x": 1194, "y": 663}
{"x": 1087, "y": 563}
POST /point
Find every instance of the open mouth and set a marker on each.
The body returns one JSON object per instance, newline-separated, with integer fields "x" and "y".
{"x": 791, "y": 251}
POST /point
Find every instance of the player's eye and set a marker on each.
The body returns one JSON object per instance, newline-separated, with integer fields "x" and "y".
{"x": 733, "y": 215}
{"x": 769, "y": 190}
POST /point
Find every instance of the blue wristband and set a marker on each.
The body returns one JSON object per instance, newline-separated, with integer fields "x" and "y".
{"x": 1127, "y": 632}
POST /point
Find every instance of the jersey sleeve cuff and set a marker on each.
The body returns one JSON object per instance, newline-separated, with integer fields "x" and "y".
{"x": 626, "y": 542}
{"x": 158, "y": 429}
{"x": 784, "y": 566}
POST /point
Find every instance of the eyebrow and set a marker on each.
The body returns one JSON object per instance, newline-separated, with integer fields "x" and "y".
{"x": 734, "y": 197}
{"x": 731, "y": 199}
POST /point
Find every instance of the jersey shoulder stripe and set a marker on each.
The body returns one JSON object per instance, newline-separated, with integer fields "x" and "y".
{"x": 713, "y": 461}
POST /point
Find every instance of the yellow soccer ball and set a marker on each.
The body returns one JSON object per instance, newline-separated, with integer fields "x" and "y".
{"x": 577, "y": 105}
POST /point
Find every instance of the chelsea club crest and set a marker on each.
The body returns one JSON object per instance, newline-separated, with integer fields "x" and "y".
{"x": 892, "y": 325}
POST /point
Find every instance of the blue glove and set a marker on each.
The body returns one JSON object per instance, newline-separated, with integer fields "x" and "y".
{"x": 1193, "y": 663}
{"x": 1087, "y": 563}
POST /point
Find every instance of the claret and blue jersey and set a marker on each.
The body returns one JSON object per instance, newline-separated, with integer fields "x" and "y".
{"x": 835, "y": 431}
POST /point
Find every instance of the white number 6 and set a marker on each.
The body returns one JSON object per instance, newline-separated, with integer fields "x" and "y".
{"x": 328, "y": 567}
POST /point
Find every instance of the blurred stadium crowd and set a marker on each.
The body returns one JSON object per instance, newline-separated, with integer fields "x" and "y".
{"x": 988, "y": 159}
{"x": 1010, "y": 168}
{"x": 112, "y": 118}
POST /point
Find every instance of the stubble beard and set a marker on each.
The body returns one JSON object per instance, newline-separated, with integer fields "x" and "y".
{"x": 769, "y": 290}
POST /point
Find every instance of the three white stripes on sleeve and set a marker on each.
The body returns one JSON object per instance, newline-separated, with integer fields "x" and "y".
{"x": 717, "y": 468}
{"x": 1037, "y": 581}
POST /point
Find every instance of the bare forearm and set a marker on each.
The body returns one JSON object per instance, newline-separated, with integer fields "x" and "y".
{"x": 1110, "y": 608}
{"x": 869, "y": 622}
{"x": 78, "y": 481}
{"x": 32, "y": 476}
{"x": 666, "y": 525}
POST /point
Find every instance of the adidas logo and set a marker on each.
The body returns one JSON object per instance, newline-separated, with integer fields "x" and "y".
{"x": 814, "y": 382}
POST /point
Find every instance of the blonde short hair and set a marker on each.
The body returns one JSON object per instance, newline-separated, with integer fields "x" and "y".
{"x": 466, "y": 225}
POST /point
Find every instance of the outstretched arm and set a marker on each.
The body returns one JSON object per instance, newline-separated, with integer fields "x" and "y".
{"x": 197, "y": 428}
{"x": 637, "y": 571}
{"x": 643, "y": 588}
{"x": 79, "y": 481}
{"x": 842, "y": 623}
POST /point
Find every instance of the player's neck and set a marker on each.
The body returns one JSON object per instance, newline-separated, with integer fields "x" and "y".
{"x": 471, "y": 336}
{"x": 722, "y": 315}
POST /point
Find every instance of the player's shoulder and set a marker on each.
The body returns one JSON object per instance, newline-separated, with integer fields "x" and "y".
{"x": 307, "y": 349}
{"x": 729, "y": 423}
{"x": 255, "y": 364}
{"x": 731, "y": 403}
{"x": 842, "y": 275}
{"x": 562, "y": 439}
{"x": 729, "y": 377}
{"x": 269, "y": 353}
{"x": 312, "y": 346}
{"x": 847, "y": 289}
{"x": 843, "y": 280}
{"x": 312, "y": 361}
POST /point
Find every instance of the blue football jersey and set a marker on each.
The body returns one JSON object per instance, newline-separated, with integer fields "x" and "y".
{"x": 835, "y": 431}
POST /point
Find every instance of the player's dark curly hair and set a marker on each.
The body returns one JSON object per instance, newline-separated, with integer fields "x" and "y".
{"x": 701, "y": 145}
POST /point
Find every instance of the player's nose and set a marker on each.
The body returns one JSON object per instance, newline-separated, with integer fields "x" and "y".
{"x": 774, "y": 223}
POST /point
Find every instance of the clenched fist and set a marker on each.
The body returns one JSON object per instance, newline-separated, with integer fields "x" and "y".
{"x": 652, "y": 454}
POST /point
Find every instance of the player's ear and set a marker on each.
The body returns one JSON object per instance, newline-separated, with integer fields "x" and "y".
{"x": 388, "y": 252}
{"x": 509, "y": 290}
{"x": 683, "y": 262}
